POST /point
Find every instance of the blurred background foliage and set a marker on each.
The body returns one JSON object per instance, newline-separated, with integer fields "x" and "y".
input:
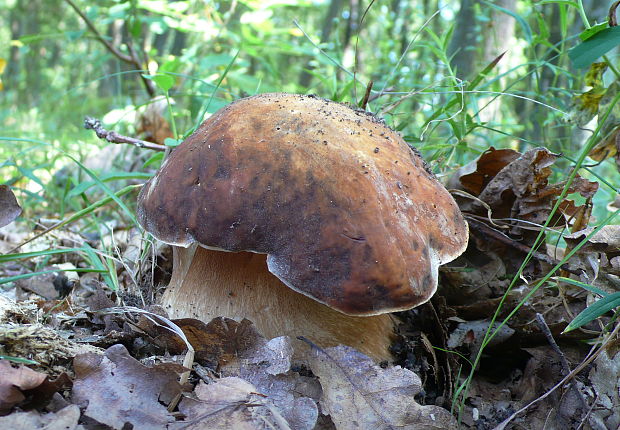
{"x": 455, "y": 77}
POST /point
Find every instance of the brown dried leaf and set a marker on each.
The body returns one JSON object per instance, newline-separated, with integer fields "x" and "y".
{"x": 65, "y": 419}
{"x": 9, "y": 208}
{"x": 239, "y": 351}
{"x": 542, "y": 372}
{"x": 121, "y": 391}
{"x": 42, "y": 284}
{"x": 517, "y": 187}
{"x": 230, "y": 403}
{"x": 151, "y": 124}
{"x": 266, "y": 365}
{"x": 475, "y": 176}
{"x": 607, "y": 147}
{"x": 358, "y": 394}
{"x": 606, "y": 240}
{"x": 219, "y": 341}
{"x": 14, "y": 381}
{"x": 472, "y": 333}
{"x": 522, "y": 177}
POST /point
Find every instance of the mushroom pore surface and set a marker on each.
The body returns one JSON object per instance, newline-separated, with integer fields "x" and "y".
{"x": 347, "y": 213}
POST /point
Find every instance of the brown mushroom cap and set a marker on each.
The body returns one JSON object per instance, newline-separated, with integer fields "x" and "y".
{"x": 347, "y": 213}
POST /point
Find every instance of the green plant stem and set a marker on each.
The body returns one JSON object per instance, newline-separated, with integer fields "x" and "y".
{"x": 170, "y": 113}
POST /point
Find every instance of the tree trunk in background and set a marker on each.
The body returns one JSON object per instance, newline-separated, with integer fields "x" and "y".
{"x": 462, "y": 47}
{"x": 112, "y": 84}
{"x": 24, "y": 68}
{"x": 498, "y": 31}
{"x": 178, "y": 43}
{"x": 352, "y": 21}
{"x": 13, "y": 69}
{"x": 33, "y": 62}
{"x": 335, "y": 8}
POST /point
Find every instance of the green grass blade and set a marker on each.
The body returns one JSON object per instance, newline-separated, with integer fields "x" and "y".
{"x": 25, "y": 255}
{"x": 583, "y": 285}
{"x": 44, "y": 272}
{"x": 594, "y": 311}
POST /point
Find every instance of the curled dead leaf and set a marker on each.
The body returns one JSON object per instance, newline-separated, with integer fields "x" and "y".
{"x": 14, "y": 381}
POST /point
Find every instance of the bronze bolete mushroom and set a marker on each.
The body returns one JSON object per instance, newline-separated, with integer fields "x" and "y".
{"x": 328, "y": 220}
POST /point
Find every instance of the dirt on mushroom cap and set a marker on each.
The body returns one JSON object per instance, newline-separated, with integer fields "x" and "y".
{"x": 347, "y": 212}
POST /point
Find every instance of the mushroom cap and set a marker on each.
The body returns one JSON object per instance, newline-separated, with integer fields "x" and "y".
{"x": 346, "y": 211}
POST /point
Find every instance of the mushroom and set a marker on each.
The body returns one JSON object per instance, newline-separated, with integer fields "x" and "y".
{"x": 305, "y": 216}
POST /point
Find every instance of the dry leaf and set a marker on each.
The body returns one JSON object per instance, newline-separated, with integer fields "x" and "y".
{"x": 607, "y": 147}
{"x": 217, "y": 342}
{"x": 266, "y": 365}
{"x": 9, "y": 208}
{"x": 14, "y": 381}
{"x": 121, "y": 391}
{"x": 230, "y": 403}
{"x": 522, "y": 177}
{"x": 602, "y": 251}
{"x": 475, "y": 176}
{"x": 151, "y": 124}
{"x": 605, "y": 379}
{"x": 65, "y": 419}
{"x": 606, "y": 240}
{"x": 357, "y": 394}
{"x": 472, "y": 333}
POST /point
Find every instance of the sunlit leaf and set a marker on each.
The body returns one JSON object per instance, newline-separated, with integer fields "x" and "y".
{"x": 163, "y": 81}
{"x": 595, "y": 47}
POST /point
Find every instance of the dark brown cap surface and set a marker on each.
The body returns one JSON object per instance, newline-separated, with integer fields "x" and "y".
{"x": 346, "y": 211}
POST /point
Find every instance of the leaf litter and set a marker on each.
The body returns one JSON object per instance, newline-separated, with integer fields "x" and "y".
{"x": 122, "y": 369}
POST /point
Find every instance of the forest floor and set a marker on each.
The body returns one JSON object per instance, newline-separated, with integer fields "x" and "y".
{"x": 79, "y": 355}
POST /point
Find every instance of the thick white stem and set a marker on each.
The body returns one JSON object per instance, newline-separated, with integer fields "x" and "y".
{"x": 207, "y": 284}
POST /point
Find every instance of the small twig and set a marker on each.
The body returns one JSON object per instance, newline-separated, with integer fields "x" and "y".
{"x": 114, "y": 137}
{"x": 364, "y": 101}
{"x": 565, "y": 366}
{"x": 484, "y": 229}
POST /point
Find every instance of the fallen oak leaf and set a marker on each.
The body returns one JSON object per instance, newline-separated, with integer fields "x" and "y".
{"x": 214, "y": 343}
{"x": 9, "y": 208}
{"x": 475, "y": 176}
{"x": 238, "y": 350}
{"x": 14, "y": 381}
{"x": 267, "y": 366}
{"x": 606, "y": 240}
{"x": 605, "y": 379}
{"x": 359, "y": 394}
{"x": 121, "y": 391}
{"x": 230, "y": 403}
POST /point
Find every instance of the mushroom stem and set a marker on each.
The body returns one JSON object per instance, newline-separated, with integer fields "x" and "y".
{"x": 206, "y": 284}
